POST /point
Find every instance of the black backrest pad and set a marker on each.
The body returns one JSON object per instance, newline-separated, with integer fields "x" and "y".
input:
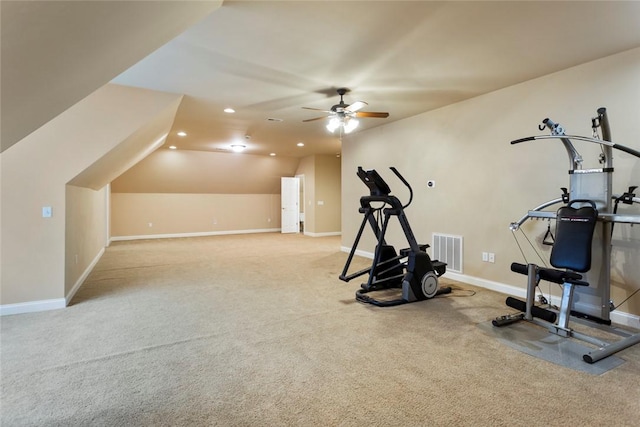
{"x": 574, "y": 232}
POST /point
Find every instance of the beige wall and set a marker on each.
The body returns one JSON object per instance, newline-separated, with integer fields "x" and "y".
{"x": 327, "y": 190}
{"x": 197, "y": 192}
{"x": 180, "y": 214}
{"x": 182, "y": 192}
{"x": 307, "y": 167}
{"x": 483, "y": 183}
{"x": 35, "y": 173}
{"x": 85, "y": 232}
{"x": 201, "y": 172}
{"x": 322, "y": 187}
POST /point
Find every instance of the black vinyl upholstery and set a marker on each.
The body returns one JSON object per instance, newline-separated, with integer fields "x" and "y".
{"x": 574, "y": 232}
{"x": 572, "y": 247}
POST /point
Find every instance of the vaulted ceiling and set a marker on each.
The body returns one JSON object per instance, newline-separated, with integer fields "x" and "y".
{"x": 268, "y": 59}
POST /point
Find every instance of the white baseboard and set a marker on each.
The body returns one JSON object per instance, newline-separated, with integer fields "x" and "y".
{"x": 83, "y": 277}
{"x": 618, "y": 317}
{"x": 198, "y": 234}
{"x": 32, "y": 306}
{"x": 50, "y": 304}
{"x": 331, "y": 233}
{"x": 489, "y": 284}
{"x": 358, "y": 252}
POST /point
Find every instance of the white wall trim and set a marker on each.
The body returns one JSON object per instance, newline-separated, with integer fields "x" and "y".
{"x": 198, "y": 234}
{"x": 331, "y": 233}
{"x": 489, "y": 284}
{"x": 358, "y": 252}
{"x": 83, "y": 277}
{"x": 618, "y": 317}
{"x": 32, "y": 306}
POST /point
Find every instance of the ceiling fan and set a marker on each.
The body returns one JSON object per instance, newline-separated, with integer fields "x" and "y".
{"x": 344, "y": 116}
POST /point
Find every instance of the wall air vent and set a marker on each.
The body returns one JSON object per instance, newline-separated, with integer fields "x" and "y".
{"x": 447, "y": 248}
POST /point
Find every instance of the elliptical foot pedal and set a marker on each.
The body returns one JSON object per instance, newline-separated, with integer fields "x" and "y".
{"x": 439, "y": 267}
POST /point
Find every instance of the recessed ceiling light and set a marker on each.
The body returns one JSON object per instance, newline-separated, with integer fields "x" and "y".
{"x": 272, "y": 154}
{"x": 300, "y": 144}
{"x": 238, "y": 148}
{"x": 182, "y": 133}
{"x": 172, "y": 147}
{"x": 229, "y": 110}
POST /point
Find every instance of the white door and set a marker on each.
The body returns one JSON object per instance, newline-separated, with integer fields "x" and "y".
{"x": 289, "y": 193}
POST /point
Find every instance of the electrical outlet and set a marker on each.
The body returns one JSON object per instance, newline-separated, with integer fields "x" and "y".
{"x": 150, "y": 224}
{"x": 492, "y": 257}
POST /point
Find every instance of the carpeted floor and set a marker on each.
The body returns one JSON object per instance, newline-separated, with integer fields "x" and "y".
{"x": 256, "y": 330}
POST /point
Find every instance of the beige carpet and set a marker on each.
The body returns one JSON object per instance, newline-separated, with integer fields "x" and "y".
{"x": 256, "y": 330}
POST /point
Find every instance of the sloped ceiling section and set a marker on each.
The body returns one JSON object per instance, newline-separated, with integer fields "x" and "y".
{"x": 186, "y": 171}
{"x": 55, "y": 53}
{"x": 139, "y": 145}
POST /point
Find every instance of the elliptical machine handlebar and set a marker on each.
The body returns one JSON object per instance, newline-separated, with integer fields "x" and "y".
{"x": 379, "y": 191}
{"x": 404, "y": 181}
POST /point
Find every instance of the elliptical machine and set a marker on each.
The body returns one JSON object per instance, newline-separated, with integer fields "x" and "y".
{"x": 411, "y": 269}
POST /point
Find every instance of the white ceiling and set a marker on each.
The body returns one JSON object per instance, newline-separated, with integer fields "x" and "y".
{"x": 267, "y": 59}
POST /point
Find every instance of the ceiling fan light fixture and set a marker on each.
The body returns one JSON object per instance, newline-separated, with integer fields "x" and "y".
{"x": 350, "y": 125}
{"x": 343, "y": 116}
{"x": 333, "y": 124}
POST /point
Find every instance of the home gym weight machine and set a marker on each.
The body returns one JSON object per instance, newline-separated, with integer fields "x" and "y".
{"x": 589, "y": 199}
{"x": 410, "y": 269}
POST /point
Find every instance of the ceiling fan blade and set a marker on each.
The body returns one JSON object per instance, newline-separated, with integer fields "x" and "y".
{"x": 372, "y": 114}
{"x": 314, "y": 119}
{"x": 356, "y": 106}
{"x": 316, "y": 109}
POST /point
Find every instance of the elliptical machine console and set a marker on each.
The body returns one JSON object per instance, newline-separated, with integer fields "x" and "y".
{"x": 410, "y": 269}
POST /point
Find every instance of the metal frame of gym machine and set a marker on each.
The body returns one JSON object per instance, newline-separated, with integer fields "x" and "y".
{"x": 592, "y": 184}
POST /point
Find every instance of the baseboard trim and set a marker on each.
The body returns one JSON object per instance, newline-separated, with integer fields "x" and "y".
{"x": 489, "y": 284}
{"x": 83, "y": 277}
{"x": 197, "y": 234}
{"x": 358, "y": 252}
{"x": 330, "y": 233}
{"x": 32, "y": 306}
{"x": 621, "y": 318}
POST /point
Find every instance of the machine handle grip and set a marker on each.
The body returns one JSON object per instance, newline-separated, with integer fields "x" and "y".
{"x": 627, "y": 150}
{"x": 404, "y": 181}
{"x": 518, "y": 141}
